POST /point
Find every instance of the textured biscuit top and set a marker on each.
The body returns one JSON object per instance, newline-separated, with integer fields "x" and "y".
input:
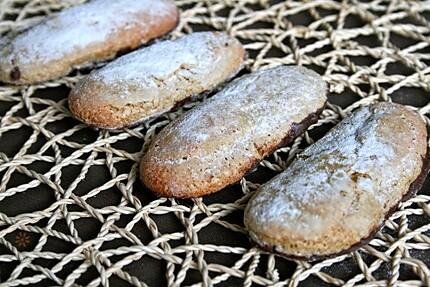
{"x": 339, "y": 189}
{"x": 216, "y": 143}
{"x": 91, "y": 31}
{"x": 154, "y": 79}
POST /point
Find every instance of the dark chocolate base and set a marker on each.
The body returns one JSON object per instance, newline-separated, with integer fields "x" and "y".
{"x": 296, "y": 130}
{"x": 415, "y": 186}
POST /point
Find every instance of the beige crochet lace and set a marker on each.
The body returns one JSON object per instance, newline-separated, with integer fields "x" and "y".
{"x": 72, "y": 209}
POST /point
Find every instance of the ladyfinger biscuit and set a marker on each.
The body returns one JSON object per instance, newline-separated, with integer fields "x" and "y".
{"x": 154, "y": 79}
{"x": 93, "y": 31}
{"x": 217, "y": 143}
{"x": 338, "y": 192}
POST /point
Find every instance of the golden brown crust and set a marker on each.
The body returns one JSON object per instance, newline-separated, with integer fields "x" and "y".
{"x": 98, "y": 115}
{"x": 155, "y": 79}
{"x": 154, "y": 176}
{"x": 166, "y": 182}
{"x": 335, "y": 196}
{"x": 21, "y": 65}
{"x": 218, "y": 142}
{"x": 309, "y": 245}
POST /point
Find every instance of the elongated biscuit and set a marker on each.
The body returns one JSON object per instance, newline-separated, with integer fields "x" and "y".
{"x": 93, "y": 31}
{"x": 337, "y": 193}
{"x": 218, "y": 142}
{"x": 155, "y": 79}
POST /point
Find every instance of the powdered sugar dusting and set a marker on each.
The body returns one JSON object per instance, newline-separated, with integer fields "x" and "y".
{"x": 81, "y": 26}
{"x": 234, "y": 127}
{"x": 256, "y": 105}
{"x": 360, "y": 160}
{"x": 156, "y": 71}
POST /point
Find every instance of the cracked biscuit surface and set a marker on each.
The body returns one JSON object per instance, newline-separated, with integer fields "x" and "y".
{"x": 155, "y": 79}
{"x": 218, "y": 142}
{"x": 338, "y": 192}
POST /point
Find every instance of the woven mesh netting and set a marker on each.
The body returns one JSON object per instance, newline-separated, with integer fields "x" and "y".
{"x": 74, "y": 213}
